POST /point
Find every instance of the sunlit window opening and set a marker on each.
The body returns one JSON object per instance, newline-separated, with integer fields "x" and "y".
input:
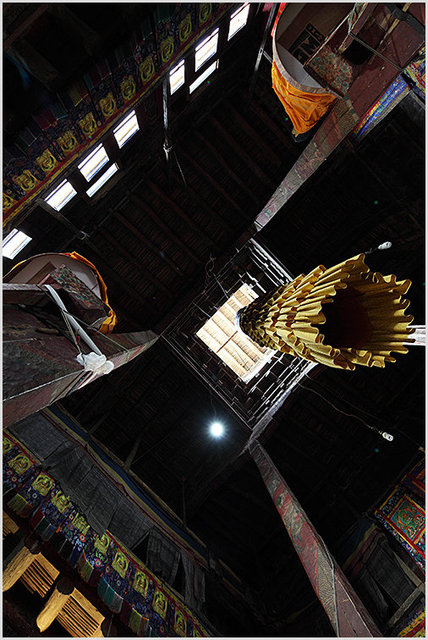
{"x": 14, "y": 242}
{"x": 59, "y": 197}
{"x": 176, "y": 77}
{"x": 102, "y": 180}
{"x": 203, "y": 76}
{"x": 238, "y": 19}
{"x": 93, "y": 162}
{"x": 206, "y": 49}
{"x": 222, "y": 336}
{"x": 126, "y": 129}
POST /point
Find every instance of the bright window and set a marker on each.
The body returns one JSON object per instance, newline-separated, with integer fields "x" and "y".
{"x": 14, "y": 242}
{"x": 59, "y": 197}
{"x": 126, "y": 129}
{"x": 93, "y": 162}
{"x": 222, "y": 336}
{"x": 206, "y": 49}
{"x": 203, "y": 76}
{"x": 102, "y": 180}
{"x": 238, "y": 19}
{"x": 176, "y": 77}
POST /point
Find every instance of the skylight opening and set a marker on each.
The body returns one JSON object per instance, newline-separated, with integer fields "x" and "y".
{"x": 93, "y": 162}
{"x": 102, "y": 180}
{"x": 14, "y": 242}
{"x": 59, "y": 197}
{"x": 177, "y": 77}
{"x": 126, "y": 129}
{"x": 222, "y": 336}
{"x": 203, "y": 76}
{"x": 206, "y": 49}
{"x": 238, "y": 19}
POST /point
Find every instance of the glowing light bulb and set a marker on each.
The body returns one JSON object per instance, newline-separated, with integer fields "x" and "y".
{"x": 387, "y": 436}
{"x": 217, "y": 429}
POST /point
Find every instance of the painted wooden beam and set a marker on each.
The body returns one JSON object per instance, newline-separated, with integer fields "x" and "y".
{"x": 346, "y": 612}
{"x": 39, "y": 368}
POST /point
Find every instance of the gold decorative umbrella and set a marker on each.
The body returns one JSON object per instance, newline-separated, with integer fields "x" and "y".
{"x": 339, "y": 317}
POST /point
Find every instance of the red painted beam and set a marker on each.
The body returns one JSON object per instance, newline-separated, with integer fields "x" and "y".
{"x": 346, "y": 612}
{"x": 41, "y": 368}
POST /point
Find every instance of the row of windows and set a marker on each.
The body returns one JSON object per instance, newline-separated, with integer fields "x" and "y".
{"x": 206, "y": 50}
{"x": 98, "y": 158}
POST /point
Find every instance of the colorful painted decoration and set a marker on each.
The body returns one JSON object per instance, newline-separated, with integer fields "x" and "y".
{"x": 81, "y": 115}
{"x": 123, "y": 582}
{"x": 403, "y": 513}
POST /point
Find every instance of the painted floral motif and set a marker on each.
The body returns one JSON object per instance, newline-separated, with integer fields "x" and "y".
{"x": 108, "y": 105}
{"x": 120, "y": 563}
{"x": 26, "y": 181}
{"x": 20, "y": 464}
{"x": 127, "y": 87}
{"x": 67, "y": 142}
{"x": 167, "y": 48}
{"x": 47, "y": 162}
{"x": 43, "y": 484}
{"x": 147, "y": 69}
{"x": 185, "y": 28}
{"x": 88, "y": 125}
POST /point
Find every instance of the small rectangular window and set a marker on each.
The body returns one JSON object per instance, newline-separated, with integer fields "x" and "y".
{"x": 238, "y": 19}
{"x": 14, "y": 242}
{"x": 93, "y": 162}
{"x": 126, "y": 129}
{"x": 203, "y": 76}
{"x": 102, "y": 180}
{"x": 206, "y": 49}
{"x": 59, "y": 197}
{"x": 176, "y": 77}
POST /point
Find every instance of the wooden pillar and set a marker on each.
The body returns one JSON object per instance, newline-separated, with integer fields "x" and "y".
{"x": 41, "y": 368}
{"x": 347, "y": 614}
{"x": 61, "y": 593}
{"x": 18, "y": 563}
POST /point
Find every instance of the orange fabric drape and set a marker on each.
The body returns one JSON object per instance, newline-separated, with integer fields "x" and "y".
{"x": 108, "y": 324}
{"x": 303, "y": 108}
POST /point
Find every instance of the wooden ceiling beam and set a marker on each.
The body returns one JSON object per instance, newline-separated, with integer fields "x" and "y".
{"x": 226, "y": 166}
{"x": 217, "y": 187}
{"x": 242, "y": 153}
{"x": 138, "y": 201}
{"x": 205, "y": 206}
{"x": 178, "y": 210}
{"x": 136, "y": 263}
{"x": 241, "y": 123}
{"x": 147, "y": 243}
{"x": 278, "y": 133}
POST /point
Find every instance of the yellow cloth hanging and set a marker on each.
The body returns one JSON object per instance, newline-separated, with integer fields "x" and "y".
{"x": 303, "y": 108}
{"x": 339, "y": 317}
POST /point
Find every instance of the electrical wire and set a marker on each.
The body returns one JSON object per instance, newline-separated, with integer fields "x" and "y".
{"x": 384, "y": 434}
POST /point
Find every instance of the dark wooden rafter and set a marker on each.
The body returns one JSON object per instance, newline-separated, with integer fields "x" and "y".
{"x": 208, "y": 178}
{"x": 173, "y": 206}
{"x": 240, "y": 122}
{"x": 131, "y": 259}
{"x": 257, "y": 108}
{"x": 267, "y": 30}
{"x": 139, "y": 202}
{"x": 241, "y": 153}
{"x": 200, "y": 203}
{"x": 205, "y": 143}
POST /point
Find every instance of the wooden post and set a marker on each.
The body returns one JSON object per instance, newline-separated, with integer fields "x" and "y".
{"x": 18, "y": 565}
{"x": 61, "y": 593}
{"x": 40, "y": 368}
{"x": 346, "y": 612}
